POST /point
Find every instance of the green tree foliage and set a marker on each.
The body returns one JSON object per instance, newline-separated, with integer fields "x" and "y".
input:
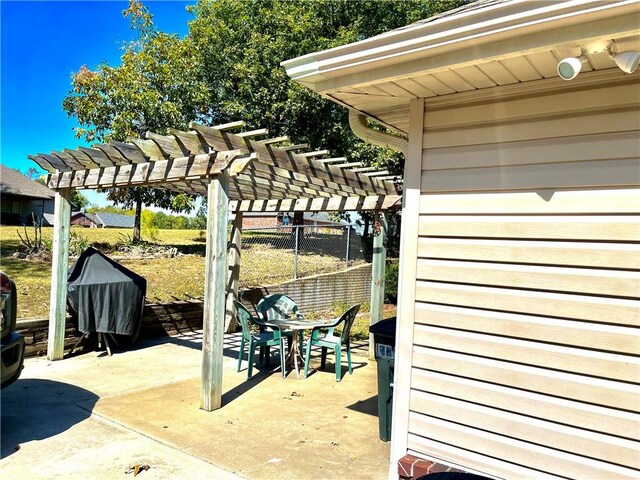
{"x": 155, "y": 87}
{"x": 241, "y": 45}
{"x": 228, "y": 68}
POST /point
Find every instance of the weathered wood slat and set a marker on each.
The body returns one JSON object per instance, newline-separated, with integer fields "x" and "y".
{"x": 54, "y": 161}
{"x": 42, "y": 163}
{"x": 317, "y": 153}
{"x": 149, "y": 148}
{"x": 230, "y": 125}
{"x": 81, "y": 158}
{"x": 268, "y": 141}
{"x": 130, "y": 152}
{"x": 69, "y": 160}
{"x": 97, "y": 156}
{"x": 253, "y": 133}
{"x": 113, "y": 153}
{"x": 169, "y": 145}
{"x": 333, "y": 160}
{"x": 190, "y": 141}
{"x": 290, "y": 148}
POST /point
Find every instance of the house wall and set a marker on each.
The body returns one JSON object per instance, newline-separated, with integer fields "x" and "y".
{"x": 17, "y": 210}
{"x": 525, "y": 326}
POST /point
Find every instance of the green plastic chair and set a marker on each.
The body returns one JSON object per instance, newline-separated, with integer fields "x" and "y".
{"x": 253, "y": 340}
{"x": 331, "y": 340}
{"x": 277, "y": 306}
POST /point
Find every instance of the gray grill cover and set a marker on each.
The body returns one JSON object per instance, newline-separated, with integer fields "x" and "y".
{"x": 104, "y": 296}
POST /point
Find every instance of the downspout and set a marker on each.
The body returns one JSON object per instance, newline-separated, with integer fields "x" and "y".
{"x": 358, "y": 124}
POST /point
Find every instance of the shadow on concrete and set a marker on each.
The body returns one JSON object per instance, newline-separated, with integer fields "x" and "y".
{"x": 33, "y": 409}
{"x": 368, "y": 406}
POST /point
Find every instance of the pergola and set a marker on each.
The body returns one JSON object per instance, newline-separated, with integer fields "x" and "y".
{"x": 239, "y": 173}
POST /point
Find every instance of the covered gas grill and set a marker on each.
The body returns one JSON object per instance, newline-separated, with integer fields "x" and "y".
{"x": 104, "y": 296}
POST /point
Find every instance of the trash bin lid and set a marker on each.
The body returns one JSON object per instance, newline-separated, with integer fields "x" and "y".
{"x": 385, "y": 327}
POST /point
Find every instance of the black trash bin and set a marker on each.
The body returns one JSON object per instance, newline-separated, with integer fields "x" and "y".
{"x": 384, "y": 337}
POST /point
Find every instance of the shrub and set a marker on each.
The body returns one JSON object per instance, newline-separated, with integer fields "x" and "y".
{"x": 78, "y": 243}
{"x": 391, "y": 283}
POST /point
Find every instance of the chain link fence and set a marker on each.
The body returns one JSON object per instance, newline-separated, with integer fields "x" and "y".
{"x": 277, "y": 254}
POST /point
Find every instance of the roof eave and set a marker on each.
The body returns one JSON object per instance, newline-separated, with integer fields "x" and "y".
{"x": 321, "y": 71}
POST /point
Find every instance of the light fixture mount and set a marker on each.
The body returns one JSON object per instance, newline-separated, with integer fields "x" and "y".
{"x": 569, "y": 67}
{"x": 626, "y": 61}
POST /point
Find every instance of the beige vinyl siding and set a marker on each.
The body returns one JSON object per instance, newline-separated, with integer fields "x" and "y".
{"x": 526, "y": 341}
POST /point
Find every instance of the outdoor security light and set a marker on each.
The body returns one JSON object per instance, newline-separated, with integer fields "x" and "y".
{"x": 626, "y": 61}
{"x": 569, "y": 68}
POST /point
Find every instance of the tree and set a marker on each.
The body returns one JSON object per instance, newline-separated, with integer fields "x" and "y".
{"x": 241, "y": 46}
{"x": 155, "y": 87}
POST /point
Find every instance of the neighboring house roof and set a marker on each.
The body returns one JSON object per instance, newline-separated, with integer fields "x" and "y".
{"x": 12, "y": 182}
{"x": 115, "y": 220}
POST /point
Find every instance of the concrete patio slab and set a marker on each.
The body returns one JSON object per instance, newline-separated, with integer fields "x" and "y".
{"x": 93, "y": 416}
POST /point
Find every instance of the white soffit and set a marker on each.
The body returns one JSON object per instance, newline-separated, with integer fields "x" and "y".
{"x": 502, "y": 44}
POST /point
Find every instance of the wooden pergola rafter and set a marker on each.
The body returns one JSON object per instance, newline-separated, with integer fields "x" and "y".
{"x": 238, "y": 172}
{"x": 258, "y": 169}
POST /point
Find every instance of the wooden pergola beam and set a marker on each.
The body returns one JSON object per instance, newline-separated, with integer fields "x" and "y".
{"x": 329, "y": 204}
{"x": 146, "y": 173}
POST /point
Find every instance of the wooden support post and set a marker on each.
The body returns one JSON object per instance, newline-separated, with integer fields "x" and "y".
{"x": 214, "y": 292}
{"x": 233, "y": 279}
{"x": 378, "y": 264}
{"x": 59, "y": 273}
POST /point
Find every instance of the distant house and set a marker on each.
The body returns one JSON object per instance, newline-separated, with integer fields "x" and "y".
{"x": 96, "y": 220}
{"x": 21, "y": 197}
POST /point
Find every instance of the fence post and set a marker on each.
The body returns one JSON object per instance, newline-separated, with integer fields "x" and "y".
{"x": 295, "y": 253}
{"x": 346, "y": 262}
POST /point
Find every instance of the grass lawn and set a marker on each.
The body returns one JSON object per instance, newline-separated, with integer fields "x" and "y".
{"x": 167, "y": 278}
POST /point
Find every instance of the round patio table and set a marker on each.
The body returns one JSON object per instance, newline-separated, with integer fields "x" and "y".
{"x": 296, "y": 324}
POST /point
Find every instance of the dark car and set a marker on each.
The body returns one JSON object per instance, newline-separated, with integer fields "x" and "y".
{"x": 12, "y": 342}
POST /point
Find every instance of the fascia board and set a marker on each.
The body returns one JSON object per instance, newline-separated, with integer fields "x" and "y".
{"x": 449, "y": 35}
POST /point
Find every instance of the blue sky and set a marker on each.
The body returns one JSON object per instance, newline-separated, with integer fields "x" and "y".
{"x": 41, "y": 44}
